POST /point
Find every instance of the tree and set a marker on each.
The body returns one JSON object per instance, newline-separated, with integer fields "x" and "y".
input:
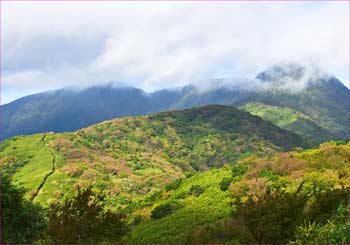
{"x": 21, "y": 220}
{"x": 82, "y": 219}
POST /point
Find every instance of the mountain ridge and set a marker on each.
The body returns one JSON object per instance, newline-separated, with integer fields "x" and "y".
{"x": 325, "y": 101}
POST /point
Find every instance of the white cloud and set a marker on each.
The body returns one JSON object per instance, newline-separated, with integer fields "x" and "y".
{"x": 154, "y": 45}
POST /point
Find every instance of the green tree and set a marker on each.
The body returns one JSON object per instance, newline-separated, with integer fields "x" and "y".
{"x": 82, "y": 219}
{"x": 21, "y": 220}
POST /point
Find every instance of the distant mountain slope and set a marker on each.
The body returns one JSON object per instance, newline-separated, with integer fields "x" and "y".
{"x": 68, "y": 110}
{"x": 324, "y": 99}
{"x": 219, "y": 94}
{"x": 290, "y": 120}
{"x": 136, "y": 156}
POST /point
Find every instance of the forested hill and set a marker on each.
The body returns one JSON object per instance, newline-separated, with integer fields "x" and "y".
{"x": 212, "y": 174}
{"x": 137, "y": 155}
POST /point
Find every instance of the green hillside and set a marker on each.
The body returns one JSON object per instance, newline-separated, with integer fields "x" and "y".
{"x": 127, "y": 158}
{"x": 209, "y": 216}
{"x": 186, "y": 176}
{"x": 291, "y": 120}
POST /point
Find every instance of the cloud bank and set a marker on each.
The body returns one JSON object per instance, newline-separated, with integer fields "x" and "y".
{"x": 154, "y": 45}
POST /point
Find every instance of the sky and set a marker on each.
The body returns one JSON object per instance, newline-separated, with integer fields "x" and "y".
{"x": 155, "y": 45}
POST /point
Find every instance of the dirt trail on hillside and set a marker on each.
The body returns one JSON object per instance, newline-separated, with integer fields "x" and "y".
{"x": 50, "y": 173}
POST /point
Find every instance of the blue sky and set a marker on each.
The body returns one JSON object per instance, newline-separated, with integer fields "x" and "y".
{"x": 154, "y": 45}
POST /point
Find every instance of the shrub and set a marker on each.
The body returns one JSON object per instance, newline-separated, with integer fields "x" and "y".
{"x": 334, "y": 231}
{"x": 173, "y": 185}
{"x": 162, "y": 210}
{"x": 239, "y": 170}
{"x": 196, "y": 190}
{"x": 273, "y": 217}
{"x": 225, "y": 183}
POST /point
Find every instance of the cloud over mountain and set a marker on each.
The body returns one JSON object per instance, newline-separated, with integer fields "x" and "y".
{"x": 153, "y": 45}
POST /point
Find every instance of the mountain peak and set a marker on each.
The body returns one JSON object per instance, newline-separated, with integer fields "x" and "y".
{"x": 293, "y": 76}
{"x": 281, "y": 71}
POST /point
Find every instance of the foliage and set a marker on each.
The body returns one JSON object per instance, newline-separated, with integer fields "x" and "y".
{"x": 191, "y": 213}
{"x": 82, "y": 219}
{"x": 335, "y": 231}
{"x": 196, "y": 190}
{"x": 225, "y": 183}
{"x": 268, "y": 191}
{"x": 277, "y": 216}
{"x": 173, "y": 185}
{"x": 272, "y": 217}
{"x": 239, "y": 170}
{"x": 21, "y": 220}
{"x": 162, "y": 210}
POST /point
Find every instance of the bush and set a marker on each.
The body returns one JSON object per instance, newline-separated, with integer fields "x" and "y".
{"x": 173, "y": 185}
{"x": 239, "y": 170}
{"x": 196, "y": 190}
{"x": 335, "y": 231}
{"x": 308, "y": 217}
{"x": 225, "y": 183}
{"x": 273, "y": 217}
{"x": 162, "y": 210}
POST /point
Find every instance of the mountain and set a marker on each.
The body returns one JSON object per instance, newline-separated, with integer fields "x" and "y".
{"x": 69, "y": 110}
{"x": 322, "y": 97}
{"x": 136, "y": 156}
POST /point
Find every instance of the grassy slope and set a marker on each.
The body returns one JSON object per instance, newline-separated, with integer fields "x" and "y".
{"x": 193, "y": 211}
{"x": 29, "y": 159}
{"x": 289, "y": 119}
{"x": 130, "y": 158}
